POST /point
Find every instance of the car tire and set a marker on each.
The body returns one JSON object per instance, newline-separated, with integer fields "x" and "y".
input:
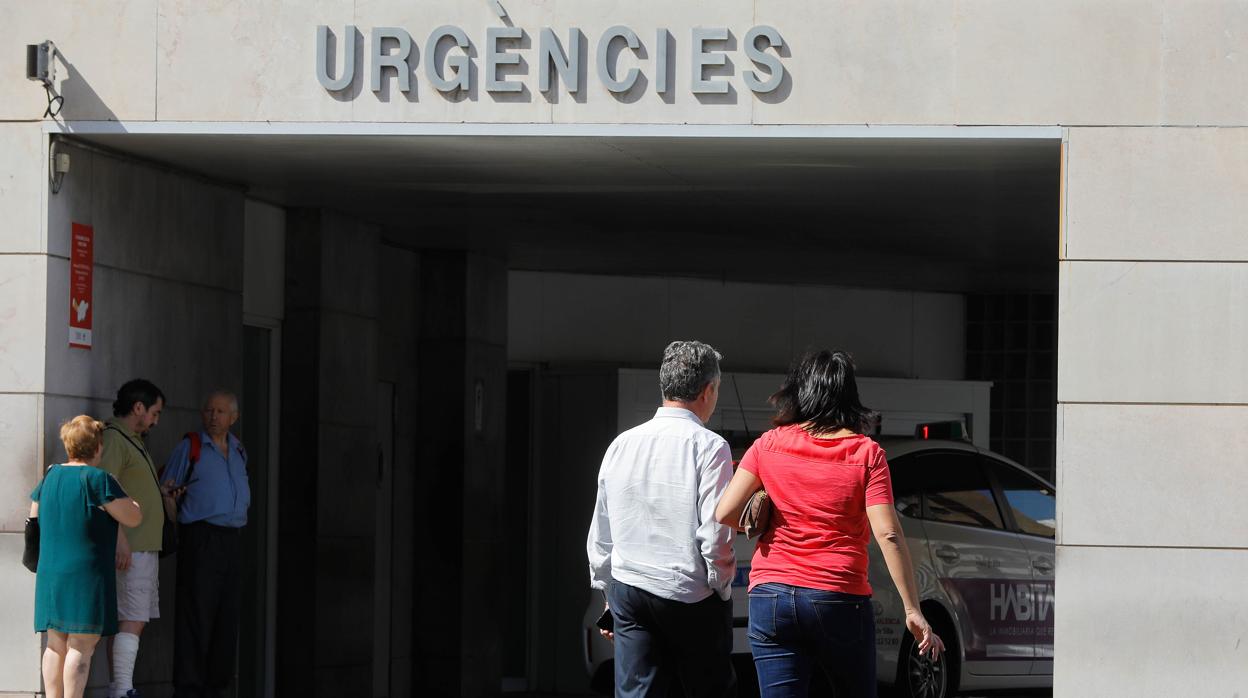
{"x": 919, "y": 677}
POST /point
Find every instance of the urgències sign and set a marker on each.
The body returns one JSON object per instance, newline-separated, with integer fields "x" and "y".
{"x": 449, "y": 59}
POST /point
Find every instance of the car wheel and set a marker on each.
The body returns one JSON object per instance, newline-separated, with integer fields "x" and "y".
{"x": 920, "y": 677}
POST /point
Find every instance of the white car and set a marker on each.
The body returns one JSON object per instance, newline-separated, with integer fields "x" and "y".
{"x": 980, "y": 529}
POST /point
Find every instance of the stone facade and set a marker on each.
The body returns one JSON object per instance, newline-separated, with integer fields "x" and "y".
{"x": 1152, "y": 96}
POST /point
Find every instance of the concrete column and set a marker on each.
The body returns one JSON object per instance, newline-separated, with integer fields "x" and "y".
{"x": 167, "y": 306}
{"x": 24, "y": 311}
{"x": 329, "y": 468}
{"x": 1153, "y": 399}
{"x": 463, "y": 372}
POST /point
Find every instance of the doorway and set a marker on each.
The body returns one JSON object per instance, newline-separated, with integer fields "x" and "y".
{"x": 259, "y": 424}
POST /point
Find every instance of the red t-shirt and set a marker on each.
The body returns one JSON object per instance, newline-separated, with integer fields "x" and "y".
{"x": 820, "y": 490}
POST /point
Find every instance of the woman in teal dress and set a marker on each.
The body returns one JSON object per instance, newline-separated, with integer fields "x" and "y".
{"x": 78, "y": 507}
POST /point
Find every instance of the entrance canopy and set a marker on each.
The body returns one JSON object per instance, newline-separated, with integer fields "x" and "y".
{"x": 963, "y": 214}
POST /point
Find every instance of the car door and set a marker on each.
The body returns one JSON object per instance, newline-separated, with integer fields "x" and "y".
{"x": 1031, "y": 506}
{"x": 979, "y": 561}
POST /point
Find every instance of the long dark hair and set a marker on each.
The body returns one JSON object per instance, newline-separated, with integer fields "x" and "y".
{"x": 821, "y": 390}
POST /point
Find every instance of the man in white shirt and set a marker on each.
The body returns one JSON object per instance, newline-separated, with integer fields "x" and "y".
{"x": 654, "y": 546}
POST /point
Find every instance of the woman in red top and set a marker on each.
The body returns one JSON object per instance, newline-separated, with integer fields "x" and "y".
{"x": 809, "y": 597}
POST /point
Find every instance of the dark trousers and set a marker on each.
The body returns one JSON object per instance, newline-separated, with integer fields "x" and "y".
{"x": 793, "y": 629}
{"x": 658, "y": 641}
{"x": 206, "y": 610}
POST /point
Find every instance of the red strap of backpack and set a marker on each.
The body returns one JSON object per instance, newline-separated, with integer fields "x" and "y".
{"x": 197, "y": 444}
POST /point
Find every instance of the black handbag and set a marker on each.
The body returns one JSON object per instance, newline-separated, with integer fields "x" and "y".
{"x": 168, "y": 534}
{"x": 169, "y": 530}
{"x": 30, "y": 555}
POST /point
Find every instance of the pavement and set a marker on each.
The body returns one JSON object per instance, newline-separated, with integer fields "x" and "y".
{"x": 1034, "y": 693}
{"x": 1042, "y": 693}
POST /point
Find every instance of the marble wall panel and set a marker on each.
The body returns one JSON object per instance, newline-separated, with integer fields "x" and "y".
{"x": 1157, "y": 194}
{"x": 1152, "y": 332}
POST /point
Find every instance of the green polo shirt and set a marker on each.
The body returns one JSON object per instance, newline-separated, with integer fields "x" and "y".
{"x": 129, "y": 462}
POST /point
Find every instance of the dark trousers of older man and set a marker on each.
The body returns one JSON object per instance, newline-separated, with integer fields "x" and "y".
{"x": 660, "y": 641}
{"x": 206, "y": 611}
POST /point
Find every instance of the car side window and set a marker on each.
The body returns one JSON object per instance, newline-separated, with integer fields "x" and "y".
{"x": 907, "y": 487}
{"x": 956, "y": 490}
{"x": 1032, "y": 502}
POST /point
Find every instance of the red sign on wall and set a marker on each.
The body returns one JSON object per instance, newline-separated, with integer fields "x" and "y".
{"x": 81, "y": 265}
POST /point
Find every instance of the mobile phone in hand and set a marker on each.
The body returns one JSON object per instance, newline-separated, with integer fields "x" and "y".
{"x": 606, "y": 621}
{"x": 180, "y": 490}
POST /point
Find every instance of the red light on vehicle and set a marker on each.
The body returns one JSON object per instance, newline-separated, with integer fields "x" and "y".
{"x": 952, "y": 430}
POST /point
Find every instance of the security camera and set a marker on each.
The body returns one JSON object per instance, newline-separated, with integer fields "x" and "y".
{"x": 40, "y": 65}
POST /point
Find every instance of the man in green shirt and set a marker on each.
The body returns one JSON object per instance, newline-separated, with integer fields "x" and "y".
{"x": 135, "y": 411}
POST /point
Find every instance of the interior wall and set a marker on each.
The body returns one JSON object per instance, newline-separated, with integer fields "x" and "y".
{"x": 556, "y": 317}
{"x": 397, "y": 365}
{"x": 168, "y": 306}
{"x": 461, "y": 458}
{"x": 348, "y": 546}
{"x": 329, "y": 470}
{"x": 264, "y": 261}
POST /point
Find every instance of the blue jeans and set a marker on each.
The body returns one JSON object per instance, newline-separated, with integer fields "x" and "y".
{"x": 794, "y": 628}
{"x": 658, "y": 641}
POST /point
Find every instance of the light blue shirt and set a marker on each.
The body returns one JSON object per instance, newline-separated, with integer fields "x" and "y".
{"x": 654, "y": 522}
{"x": 219, "y": 493}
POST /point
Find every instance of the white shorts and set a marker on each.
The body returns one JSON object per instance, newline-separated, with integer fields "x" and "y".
{"x": 138, "y": 588}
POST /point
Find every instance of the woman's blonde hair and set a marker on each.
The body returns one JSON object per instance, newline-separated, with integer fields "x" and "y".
{"x": 82, "y": 437}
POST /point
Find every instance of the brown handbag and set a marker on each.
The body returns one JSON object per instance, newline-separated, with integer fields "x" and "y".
{"x": 756, "y": 515}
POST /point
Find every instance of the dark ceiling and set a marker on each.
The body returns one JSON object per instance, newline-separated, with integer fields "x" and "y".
{"x": 931, "y": 214}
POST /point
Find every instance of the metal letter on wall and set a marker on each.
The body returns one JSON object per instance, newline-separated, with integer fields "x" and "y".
{"x": 660, "y": 61}
{"x": 606, "y": 73}
{"x": 763, "y": 59}
{"x": 702, "y": 59}
{"x": 348, "y": 58}
{"x": 494, "y": 57}
{"x": 460, "y": 62}
{"x": 551, "y": 55}
{"x": 398, "y": 61}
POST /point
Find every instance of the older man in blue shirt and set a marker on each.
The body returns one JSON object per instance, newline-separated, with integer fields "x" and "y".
{"x": 207, "y": 471}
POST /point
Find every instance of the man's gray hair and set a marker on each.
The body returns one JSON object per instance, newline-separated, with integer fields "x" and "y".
{"x": 221, "y": 392}
{"x": 688, "y": 367}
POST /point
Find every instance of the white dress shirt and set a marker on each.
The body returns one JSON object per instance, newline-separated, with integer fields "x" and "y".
{"x": 654, "y": 522}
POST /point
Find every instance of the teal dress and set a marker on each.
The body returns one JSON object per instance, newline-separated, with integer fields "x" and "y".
{"x": 76, "y": 584}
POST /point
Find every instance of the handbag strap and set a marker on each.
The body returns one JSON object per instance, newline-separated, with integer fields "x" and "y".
{"x": 147, "y": 457}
